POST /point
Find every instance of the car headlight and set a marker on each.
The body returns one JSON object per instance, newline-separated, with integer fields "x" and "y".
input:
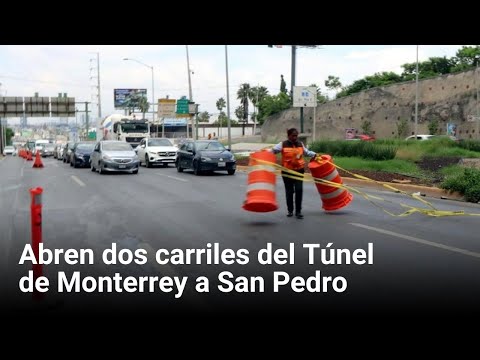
{"x": 204, "y": 158}
{"x": 106, "y": 157}
{"x": 80, "y": 155}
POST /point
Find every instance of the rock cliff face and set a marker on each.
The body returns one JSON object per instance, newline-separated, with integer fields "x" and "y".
{"x": 447, "y": 99}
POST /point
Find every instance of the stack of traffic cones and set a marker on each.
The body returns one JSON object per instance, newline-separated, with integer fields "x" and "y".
{"x": 38, "y": 162}
{"x": 29, "y": 156}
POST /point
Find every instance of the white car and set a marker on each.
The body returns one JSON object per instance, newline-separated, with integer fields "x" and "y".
{"x": 420, "y": 137}
{"x": 156, "y": 151}
{"x": 8, "y": 150}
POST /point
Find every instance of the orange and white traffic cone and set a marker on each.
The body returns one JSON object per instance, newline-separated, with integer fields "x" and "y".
{"x": 38, "y": 161}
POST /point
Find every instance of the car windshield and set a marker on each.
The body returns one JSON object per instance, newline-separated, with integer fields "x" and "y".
{"x": 159, "y": 142}
{"x": 49, "y": 146}
{"x": 86, "y": 147}
{"x": 117, "y": 147}
{"x": 135, "y": 128}
{"x": 213, "y": 145}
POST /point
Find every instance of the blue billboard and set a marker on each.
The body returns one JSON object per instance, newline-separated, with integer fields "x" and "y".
{"x": 127, "y": 98}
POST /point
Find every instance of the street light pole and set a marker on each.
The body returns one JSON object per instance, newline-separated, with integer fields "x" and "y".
{"x": 228, "y": 101}
{"x": 189, "y": 88}
{"x": 416, "y": 96}
{"x": 153, "y": 89}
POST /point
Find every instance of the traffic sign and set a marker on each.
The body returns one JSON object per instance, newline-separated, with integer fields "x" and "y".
{"x": 304, "y": 96}
{"x": 182, "y": 106}
{"x": 166, "y": 108}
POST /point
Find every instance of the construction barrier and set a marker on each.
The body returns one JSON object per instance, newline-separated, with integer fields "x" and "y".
{"x": 333, "y": 197}
{"x": 36, "y": 222}
{"x": 261, "y": 196}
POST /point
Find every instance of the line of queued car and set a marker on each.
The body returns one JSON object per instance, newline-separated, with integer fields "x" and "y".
{"x": 112, "y": 155}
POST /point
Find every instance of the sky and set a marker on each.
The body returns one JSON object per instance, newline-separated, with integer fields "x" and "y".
{"x": 72, "y": 69}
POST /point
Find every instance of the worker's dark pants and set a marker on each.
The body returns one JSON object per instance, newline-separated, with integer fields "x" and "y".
{"x": 293, "y": 186}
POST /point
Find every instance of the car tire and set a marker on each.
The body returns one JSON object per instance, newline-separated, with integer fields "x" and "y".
{"x": 231, "y": 172}
{"x": 92, "y": 168}
{"x": 147, "y": 163}
{"x": 179, "y": 168}
{"x": 100, "y": 169}
{"x": 196, "y": 169}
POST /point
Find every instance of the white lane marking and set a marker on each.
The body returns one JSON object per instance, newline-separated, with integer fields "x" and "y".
{"x": 420, "y": 241}
{"x": 172, "y": 177}
{"x": 77, "y": 180}
{"x": 12, "y": 187}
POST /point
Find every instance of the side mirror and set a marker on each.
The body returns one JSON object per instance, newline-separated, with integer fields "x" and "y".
{"x": 142, "y": 146}
{"x": 227, "y": 148}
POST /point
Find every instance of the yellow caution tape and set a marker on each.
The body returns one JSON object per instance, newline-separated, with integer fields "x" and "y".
{"x": 288, "y": 173}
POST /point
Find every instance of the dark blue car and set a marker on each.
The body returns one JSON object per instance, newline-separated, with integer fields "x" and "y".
{"x": 80, "y": 155}
{"x": 205, "y": 155}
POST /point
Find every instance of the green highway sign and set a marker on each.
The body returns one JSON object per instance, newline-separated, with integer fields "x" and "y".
{"x": 182, "y": 106}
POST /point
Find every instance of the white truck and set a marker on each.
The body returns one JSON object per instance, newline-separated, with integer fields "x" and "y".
{"x": 125, "y": 128}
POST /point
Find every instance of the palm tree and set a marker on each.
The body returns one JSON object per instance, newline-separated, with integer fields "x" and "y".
{"x": 257, "y": 95}
{"x": 239, "y": 113}
{"x": 242, "y": 95}
{"x": 143, "y": 105}
{"x": 221, "y": 104}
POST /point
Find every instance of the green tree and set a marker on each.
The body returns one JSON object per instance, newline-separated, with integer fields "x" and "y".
{"x": 203, "y": 116}
{"x": 432, "y": 67}
{"x": 221, "y": 104}
{"x": 433, "y": 127}
{"x": 9, "y": 134}
{"x": 467, "y": 57}
{"x": 333, "y": 83}
{"x": 320, "y": 97}
{"x": 143, "y": 105}
{"x": 242, "y": 95}
{"x": 368, "y": 82}
{"x": 272, "y": 105}
{"x": 283, "y": 85}
{"x": 366, "y": 127}
{"x": 402, "y": 128}
{"x": 239, "y": 112}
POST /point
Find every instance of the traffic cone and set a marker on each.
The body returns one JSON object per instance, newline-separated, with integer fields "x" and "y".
{"x": 38, "y": 161}
{"x": 261, "y": 196}
{"x": 333, "y": 198}
{"x": 29, "y": 156}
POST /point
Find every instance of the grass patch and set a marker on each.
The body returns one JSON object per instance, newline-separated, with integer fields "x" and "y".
{"x": 393, "y": 166}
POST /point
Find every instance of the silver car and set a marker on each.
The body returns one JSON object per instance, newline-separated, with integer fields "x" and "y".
{"x": 114, "y": 155}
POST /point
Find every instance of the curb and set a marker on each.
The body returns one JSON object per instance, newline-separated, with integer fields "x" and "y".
{"x": 433, "y": 192}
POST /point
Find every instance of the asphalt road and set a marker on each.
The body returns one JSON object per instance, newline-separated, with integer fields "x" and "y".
{"x": 420, "y": 264}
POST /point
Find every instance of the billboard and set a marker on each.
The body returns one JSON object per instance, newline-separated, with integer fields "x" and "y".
{"x": 127, "y": 98}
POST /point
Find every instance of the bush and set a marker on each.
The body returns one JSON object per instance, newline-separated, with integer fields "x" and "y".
{"x": 466, "y": 183}
{"x": 472, "y": 145}
{"x": 362, "y": 149}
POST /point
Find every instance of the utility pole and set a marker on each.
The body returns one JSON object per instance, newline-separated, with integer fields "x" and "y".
{"x": 228, "y": 101}
{"x": 97, "y": 97}
{"x": 475, "y": 75}
{"x": 416, "y": 96}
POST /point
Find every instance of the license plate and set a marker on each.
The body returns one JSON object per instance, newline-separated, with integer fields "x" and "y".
{"x": 122, "y": 166}
{"x": 221, "y": 164}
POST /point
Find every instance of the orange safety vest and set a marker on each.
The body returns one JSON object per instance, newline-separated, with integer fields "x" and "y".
{"x": 292, "y": 155}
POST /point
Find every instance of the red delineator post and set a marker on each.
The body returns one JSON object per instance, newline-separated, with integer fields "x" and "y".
{"x": 36, "y": 220}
